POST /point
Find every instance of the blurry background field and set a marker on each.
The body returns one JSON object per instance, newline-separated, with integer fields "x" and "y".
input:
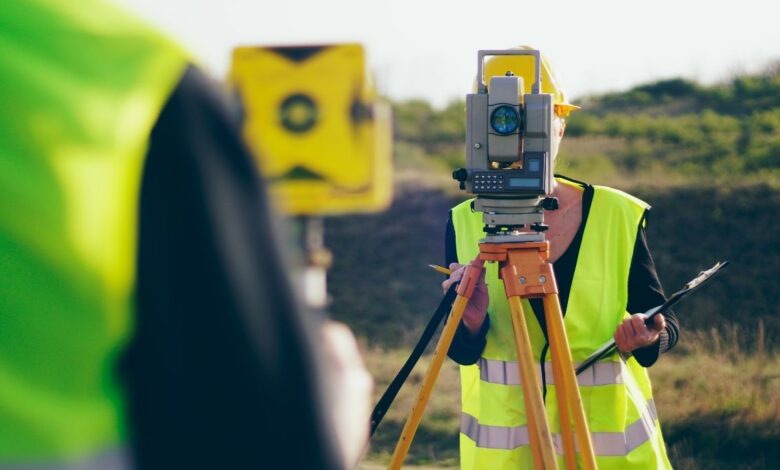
{"x": 706, "y": 158}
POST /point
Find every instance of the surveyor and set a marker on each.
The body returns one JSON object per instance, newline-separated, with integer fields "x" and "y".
{"x": 606, "y": 277}
{"x": 130, "y": 212}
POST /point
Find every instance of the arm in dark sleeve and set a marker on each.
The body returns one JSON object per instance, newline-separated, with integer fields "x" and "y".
{"x": 645, "y": 292}
{"x": 222, "y": 369}
{"x": 450, "y": 248}
{"x": 466, "y": 348}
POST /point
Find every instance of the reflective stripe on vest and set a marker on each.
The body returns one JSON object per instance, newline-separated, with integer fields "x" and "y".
{"x": 604, "y": 443}
{"x": 508, "y": 373}
{"x": 115, "y": 459}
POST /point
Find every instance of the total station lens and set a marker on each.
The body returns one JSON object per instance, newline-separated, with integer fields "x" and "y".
{"x": 504, "y": 120}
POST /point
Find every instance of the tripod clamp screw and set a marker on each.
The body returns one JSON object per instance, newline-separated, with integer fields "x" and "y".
{"x": 542, "y": 279}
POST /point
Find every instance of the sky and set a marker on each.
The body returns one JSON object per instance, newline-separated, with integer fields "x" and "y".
{"x": 428, "y": 48}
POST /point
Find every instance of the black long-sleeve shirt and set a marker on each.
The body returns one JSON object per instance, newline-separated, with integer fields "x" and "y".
{"x": 222, "y": 370}
{"x": 644, "y": 292}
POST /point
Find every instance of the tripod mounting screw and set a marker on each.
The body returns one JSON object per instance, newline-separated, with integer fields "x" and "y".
{"x": 542, "y": 279}
{"x": 523, "y": 280}
{"x": 550, "y": 203}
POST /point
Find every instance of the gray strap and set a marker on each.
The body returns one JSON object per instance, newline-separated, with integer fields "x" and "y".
{"x": 507, "y": 373}
{"x": 604, "y": 443}
{"x": 113, "y": 459}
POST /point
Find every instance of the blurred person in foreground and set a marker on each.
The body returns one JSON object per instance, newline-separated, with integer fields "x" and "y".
{"x": 134, "y": 230}
{"x": 605, "y": 275}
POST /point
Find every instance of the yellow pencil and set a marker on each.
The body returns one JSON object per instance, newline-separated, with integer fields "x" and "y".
{"x": 440, "y": 269}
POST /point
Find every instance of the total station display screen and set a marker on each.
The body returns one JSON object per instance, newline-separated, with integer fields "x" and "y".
{"x": 524, "y": 182}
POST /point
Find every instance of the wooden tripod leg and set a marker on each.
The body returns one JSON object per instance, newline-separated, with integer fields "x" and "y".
{"x": 567, "y": 432}
{"x": 402, "y": 447}
{"x": 538, "y": 429}
{"x": 465, "y": 290}
{"x": 565, "y": 380}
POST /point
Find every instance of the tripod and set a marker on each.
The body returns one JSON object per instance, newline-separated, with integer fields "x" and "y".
{"x": 525, "y": 272}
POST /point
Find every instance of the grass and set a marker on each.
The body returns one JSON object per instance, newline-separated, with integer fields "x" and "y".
{"x": 717, "y": 394}
{"x": 719, "y": 400}
{"x": 436, "y": 441}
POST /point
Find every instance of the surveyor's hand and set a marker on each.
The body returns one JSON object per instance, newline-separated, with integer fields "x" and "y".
{"x": 474, "y": 315}
{"x": 634, "y": 334}
{"x": 351, "y": 386}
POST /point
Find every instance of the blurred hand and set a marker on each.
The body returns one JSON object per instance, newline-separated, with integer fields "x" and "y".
{"x": 351, "y": 390}
{"x": 634, "y": 334}
{"x": 476, "y": 310}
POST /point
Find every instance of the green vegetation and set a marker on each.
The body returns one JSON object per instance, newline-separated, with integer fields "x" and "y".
{"x": 706, "y": 158}
{"x": 718, "y": 397}
{"x": 670, "y": 132}
{"x": 436, "y": 441}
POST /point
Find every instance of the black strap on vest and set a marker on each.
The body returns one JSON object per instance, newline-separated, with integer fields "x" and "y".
{"x": 581, "y": 183}
{"x": 392, "y": 390}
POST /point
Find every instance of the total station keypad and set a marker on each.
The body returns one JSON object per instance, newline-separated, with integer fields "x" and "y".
{"x": 488, "y": 182}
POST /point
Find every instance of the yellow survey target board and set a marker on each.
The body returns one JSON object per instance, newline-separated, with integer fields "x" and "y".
{"x": 314, "y": 124}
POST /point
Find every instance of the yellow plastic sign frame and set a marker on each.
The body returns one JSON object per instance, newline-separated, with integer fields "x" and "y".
{"x": 315, "y": 127}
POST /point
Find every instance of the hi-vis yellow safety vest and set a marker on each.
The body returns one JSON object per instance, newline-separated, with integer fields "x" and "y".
{"x": 616, "y": 394}
{"x": 82, "y": 86}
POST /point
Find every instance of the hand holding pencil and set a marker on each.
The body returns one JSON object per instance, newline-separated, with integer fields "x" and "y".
{"x": 476, "y": 310}
{"x": 440, "y": 269}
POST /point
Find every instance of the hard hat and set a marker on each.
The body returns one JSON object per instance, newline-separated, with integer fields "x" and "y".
{"x": 523, "y": 66}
